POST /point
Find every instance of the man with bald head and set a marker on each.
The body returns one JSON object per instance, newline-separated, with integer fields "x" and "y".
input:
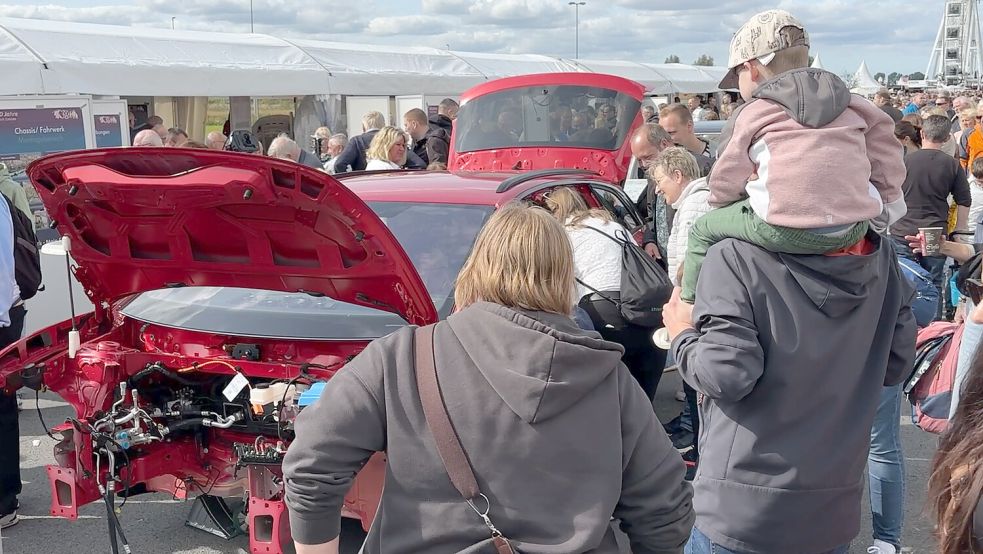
{"x": 147, "y": 137}
{"x": 647, "y": 143}
{"x": 216, "y": 140}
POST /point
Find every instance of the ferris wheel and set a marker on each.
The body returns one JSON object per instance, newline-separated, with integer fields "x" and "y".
{"x": 955, "y": 58}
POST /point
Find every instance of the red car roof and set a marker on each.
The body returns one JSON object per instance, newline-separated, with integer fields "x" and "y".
{"x": 632, "y": 88}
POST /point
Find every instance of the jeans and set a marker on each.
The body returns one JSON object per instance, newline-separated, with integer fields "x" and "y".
{"x": 934, "y": 265}
{"x": 689, "y": 418}
{"x": 972, "y": 335}
{"x": 885, "y": 468}
{"x": 701, "y": 544}
{"x": 10, "y": 485}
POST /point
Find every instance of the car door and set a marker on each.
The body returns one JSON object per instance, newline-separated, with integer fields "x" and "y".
{"x": 616, "y": 202}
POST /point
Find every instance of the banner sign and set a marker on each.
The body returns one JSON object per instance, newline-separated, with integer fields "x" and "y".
{"x": 31, "y": 133}
{"x": 108, "y": 130}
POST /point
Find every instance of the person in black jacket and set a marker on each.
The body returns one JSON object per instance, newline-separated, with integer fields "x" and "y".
{"x": 430, "y": 142}
{"x": 353, "y": 156}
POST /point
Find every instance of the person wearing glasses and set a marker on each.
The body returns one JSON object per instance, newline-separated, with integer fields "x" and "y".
{"x": 387, "y": 150}
{"x": 944, "y": 102}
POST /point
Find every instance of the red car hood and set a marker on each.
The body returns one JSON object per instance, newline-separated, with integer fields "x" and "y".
{"x": 142, "y": 219}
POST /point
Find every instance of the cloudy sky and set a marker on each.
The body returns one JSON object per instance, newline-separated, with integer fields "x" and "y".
{"x": 892, "y": 35}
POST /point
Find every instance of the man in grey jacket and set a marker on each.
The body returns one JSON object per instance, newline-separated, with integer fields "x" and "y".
{"x": 790, "y": 354}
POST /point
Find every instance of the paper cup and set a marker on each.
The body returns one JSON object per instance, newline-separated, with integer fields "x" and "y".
{"x": 931, "y": 238}
{"x": 661, "y": 338}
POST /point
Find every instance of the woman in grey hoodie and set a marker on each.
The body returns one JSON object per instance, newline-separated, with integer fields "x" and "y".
{"x": 560, "y": 436}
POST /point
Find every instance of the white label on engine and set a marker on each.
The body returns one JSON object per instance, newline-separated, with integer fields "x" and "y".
{"x": 235, "y": 386}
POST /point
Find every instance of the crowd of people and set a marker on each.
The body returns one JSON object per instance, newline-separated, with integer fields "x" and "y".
{"x": 421, "y": 143}
{"x": 791, "y": 325}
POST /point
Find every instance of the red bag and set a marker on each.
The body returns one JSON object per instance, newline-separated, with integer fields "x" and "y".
{"x": 929, "y": 388}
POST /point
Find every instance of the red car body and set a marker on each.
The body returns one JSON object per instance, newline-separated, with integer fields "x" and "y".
{"x": 537, "y": 96}
{"x": 149, "y": 219}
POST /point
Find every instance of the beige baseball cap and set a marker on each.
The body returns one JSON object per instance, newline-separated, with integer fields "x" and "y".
{"x": 763, "y": 35}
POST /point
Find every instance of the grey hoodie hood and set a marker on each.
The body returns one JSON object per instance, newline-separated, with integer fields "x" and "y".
{"x": 812, "y": 97}
{"x": 836, "y": 284}
{"x": 551, "y": 365}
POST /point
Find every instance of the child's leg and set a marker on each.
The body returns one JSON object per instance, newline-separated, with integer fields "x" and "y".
{"x": 785, "y": 240}
{"x": 728, "y": 222}
{"x": 738, "y": 221}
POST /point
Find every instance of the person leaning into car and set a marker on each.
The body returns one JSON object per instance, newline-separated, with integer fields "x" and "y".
{"x": 561, "y": 437}
{"x": 12, "y": 312}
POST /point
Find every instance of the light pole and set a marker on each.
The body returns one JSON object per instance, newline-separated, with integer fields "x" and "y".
{"x": 576, "y": 8}
{"x": 251, "y": 16}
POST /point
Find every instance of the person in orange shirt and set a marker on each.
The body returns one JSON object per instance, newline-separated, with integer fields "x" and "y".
{"x": 971, "y": 143}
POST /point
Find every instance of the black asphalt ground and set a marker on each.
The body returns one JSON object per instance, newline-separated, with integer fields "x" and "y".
{"x": 154, "y": 524}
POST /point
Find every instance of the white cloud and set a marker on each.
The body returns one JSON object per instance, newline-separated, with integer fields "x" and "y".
{"x": 892, "y": 35}
{"x": 446, "y": 7}
{"x": 412, "y": 25}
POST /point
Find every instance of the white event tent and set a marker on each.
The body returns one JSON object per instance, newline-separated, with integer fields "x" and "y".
{"x": 864, "y": 82}
{"x": 50, "y": 57}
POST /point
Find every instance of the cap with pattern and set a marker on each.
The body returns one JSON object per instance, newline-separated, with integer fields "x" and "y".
{"x": 763, "y": 35}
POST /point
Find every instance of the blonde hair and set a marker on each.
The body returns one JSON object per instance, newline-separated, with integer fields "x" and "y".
{"x": 373, "y": 120}
{"x": 570, "y": 208}
{"x": 521, "y": 259}
{"x": 383, "y": 141}
{"x": 968, "y": 112}
{"x": 677, "y": 158}
{"x": 679, "y": 110}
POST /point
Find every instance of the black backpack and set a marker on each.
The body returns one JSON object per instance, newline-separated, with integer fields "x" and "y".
{"x": 645, "y": 286}
{"x": 27, "y": 256}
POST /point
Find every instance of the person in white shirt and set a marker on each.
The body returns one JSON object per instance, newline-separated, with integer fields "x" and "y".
{"x": 387, "y": 150}
{"x": 597, "y": 241}
{"x": 695, "y": 106}
{"x": 676, "y": 174}
{"x": 976, "y": 192}
{"x": 336, "y": 144}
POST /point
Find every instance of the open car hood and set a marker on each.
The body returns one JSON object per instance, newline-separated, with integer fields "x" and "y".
{"x": 142, "y": 219}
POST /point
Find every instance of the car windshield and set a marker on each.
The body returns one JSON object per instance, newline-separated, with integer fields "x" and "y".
{"x": 437, "y": 238}
{"x": 552, "y": 115}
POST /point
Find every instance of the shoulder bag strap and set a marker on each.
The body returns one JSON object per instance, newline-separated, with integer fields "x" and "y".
{"x": 596, "y": 230}
{"x": 448, "y": 444}
{"x": 595, "y": 291}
